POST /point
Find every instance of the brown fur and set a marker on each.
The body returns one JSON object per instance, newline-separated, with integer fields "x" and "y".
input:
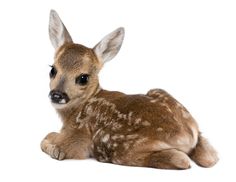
{"x": 204, "y": 154}
{"x": 152, "y": 130}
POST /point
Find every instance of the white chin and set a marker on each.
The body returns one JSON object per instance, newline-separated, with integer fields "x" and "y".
{"x": 68, "y": 104}
{"x": 59, "y": 106}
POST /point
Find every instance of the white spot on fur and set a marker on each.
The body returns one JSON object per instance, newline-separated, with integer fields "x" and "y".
{"x": 79, "y": 122}
{"x": 126, "y": 145}
{"x": 121, "y": 116}
{"x": 130, "y": 115}
{"x": 98, "y": 132}
{"x": 116, "y": 126}
{"x": 159, "y": 129}
{"x": 89, "y": 110}
{"x": 129, "y": 129}
{"x": 115, "y": 145}
{"x": 78, "y": 117}
{"x": 137, "y": 121}
{"x": 154, "y": 100}
{"x": 166, "y": 98}
{"x": 141, "y": 140}
{"x": 106, "y": 138}
{"x": 146, "y": 123}
{"x": 111, "y": 108}
{"x": 117, "y": 136}
{"x": 134, "y": 136}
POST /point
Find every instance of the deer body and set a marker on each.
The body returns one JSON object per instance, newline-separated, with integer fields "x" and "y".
{"x": 152, "y": 130}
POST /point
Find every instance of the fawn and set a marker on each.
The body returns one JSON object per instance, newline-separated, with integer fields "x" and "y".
{"x": 152, "y": 130}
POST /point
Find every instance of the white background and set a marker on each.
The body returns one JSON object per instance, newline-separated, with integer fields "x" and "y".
{"x": 185, "y": 47}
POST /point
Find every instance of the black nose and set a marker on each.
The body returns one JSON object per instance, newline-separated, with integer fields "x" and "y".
{"x": 58, "y": 97}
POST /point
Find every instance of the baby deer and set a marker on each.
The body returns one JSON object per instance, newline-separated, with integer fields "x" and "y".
{"x": 151, "y": 130}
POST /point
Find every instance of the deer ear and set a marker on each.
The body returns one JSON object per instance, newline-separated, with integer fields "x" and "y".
{"x": 57, "y": 31}
{"x": 110, "y": 45}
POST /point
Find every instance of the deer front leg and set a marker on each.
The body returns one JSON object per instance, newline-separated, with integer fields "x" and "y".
{"x": 65, "y": 146}
{"x": 49, "y": 146}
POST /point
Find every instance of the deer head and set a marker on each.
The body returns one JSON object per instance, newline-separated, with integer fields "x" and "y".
{"x": 74, "y": 74}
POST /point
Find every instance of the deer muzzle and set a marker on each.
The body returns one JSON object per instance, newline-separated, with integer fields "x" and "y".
{"x": 58, "y": 97}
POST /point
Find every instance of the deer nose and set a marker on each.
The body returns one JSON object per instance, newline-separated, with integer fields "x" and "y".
{"x": 58, "y": 97}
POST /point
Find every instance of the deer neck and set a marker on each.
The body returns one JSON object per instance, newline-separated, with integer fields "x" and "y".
{"x": 69, "y": 114}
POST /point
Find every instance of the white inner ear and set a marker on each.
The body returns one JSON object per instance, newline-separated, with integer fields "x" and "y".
{"x": 57, "y": 31}
{"x": 110, "y": 45}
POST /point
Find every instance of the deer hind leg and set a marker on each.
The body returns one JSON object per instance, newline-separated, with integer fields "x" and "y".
{"x": 204, "y": 154}
{"x": 164, "y": 159}
{"x": 169, "y": 159}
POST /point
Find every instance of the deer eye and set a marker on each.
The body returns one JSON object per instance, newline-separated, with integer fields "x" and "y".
{"x": 53, "y": 72}
{"x": 82, "y": 79}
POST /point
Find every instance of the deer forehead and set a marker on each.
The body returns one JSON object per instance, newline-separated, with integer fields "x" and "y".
{"x": 74, "y": 57}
